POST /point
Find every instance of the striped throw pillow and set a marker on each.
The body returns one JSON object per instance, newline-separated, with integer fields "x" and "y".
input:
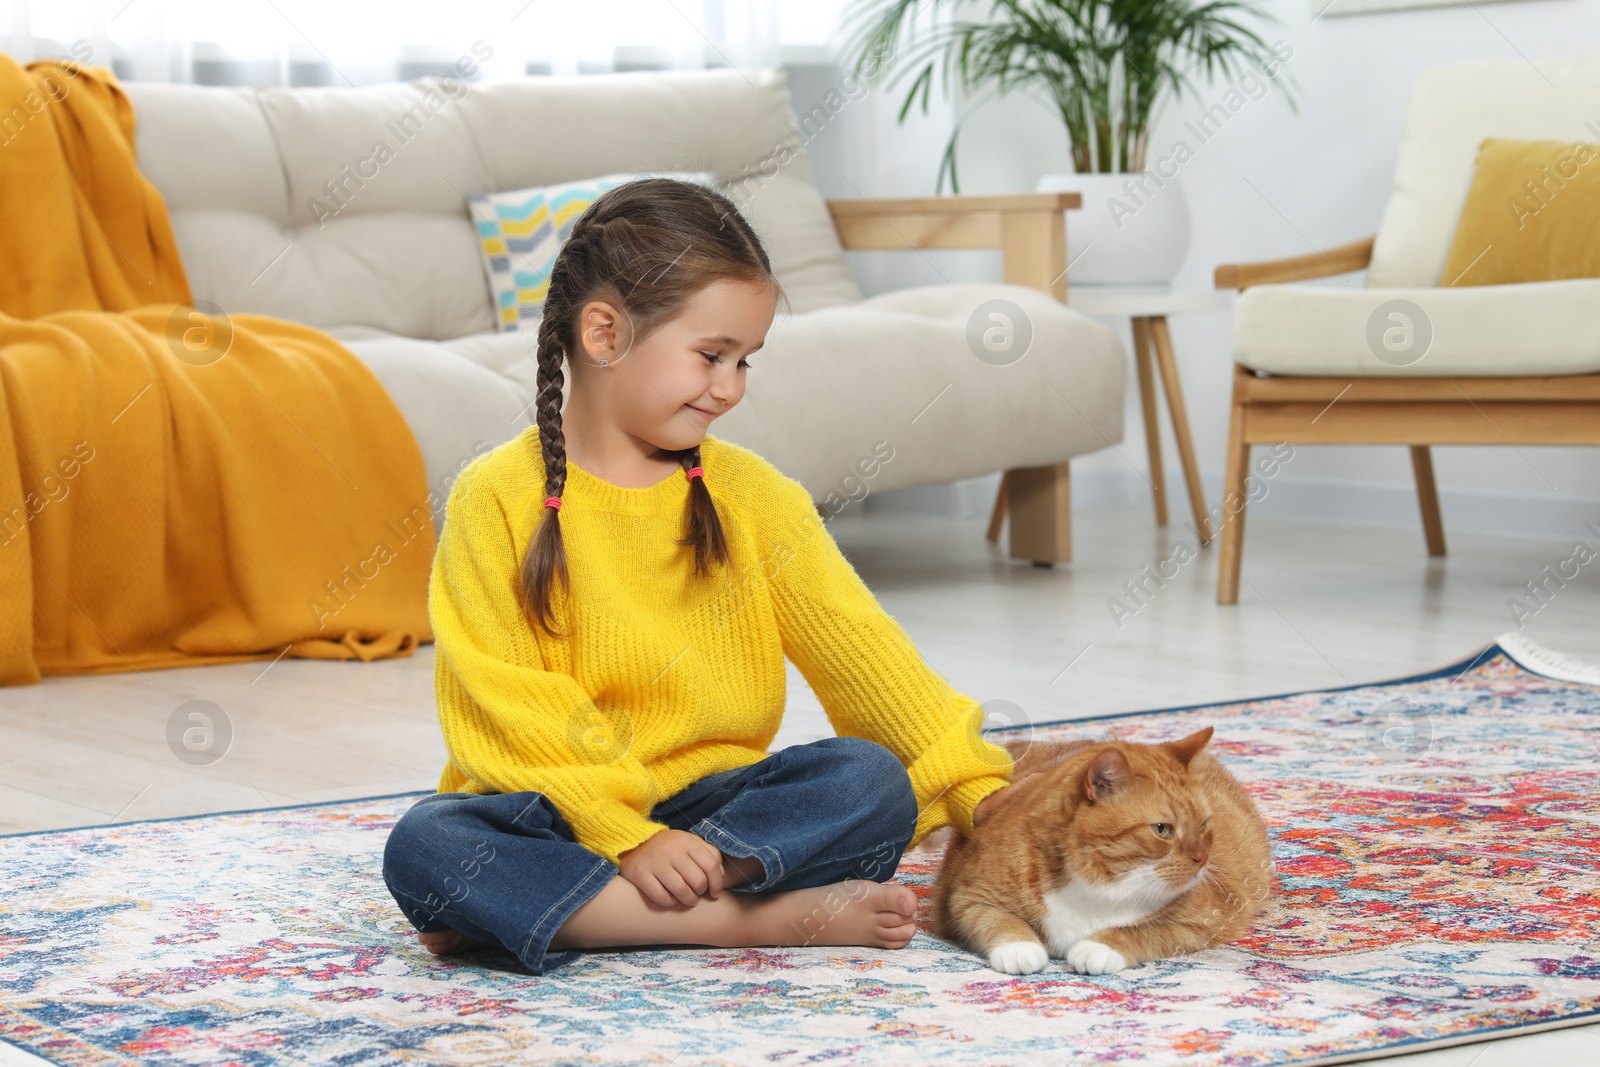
{"x": 520, "y": 232}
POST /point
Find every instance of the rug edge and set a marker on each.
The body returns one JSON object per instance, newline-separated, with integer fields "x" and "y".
{"x": 1461, "y": 666}
{"x": 1396, "y": 1049}
{"x": 1531, "y": 656}
{"x": 215, "y": 814}
{"x": 1484, "y": 1037}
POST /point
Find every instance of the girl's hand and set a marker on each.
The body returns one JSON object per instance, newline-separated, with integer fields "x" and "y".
{"x": 674, "y": 867}
{"x": 987, "y": 805}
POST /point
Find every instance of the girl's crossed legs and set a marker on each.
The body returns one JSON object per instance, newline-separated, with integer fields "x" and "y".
{"x": 806, "y": 834}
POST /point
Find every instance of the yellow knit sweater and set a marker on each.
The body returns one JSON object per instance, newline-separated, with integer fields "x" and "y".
{"x": 663, "y": 678}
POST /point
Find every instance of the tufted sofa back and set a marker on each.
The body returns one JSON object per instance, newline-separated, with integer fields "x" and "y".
{"x": 340, "y": 206}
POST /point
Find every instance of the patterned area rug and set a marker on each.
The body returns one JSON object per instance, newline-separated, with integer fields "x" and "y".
{"x": 1437, "y": 842}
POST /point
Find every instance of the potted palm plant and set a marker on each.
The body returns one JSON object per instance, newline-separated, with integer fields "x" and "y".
{"x": 1103, "y": 66}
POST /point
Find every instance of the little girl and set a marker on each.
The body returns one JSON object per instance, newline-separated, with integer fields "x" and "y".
{"x": 612, "y": 599}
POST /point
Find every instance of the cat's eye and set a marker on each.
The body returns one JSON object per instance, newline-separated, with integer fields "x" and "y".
{"x": 1161, "y": 829}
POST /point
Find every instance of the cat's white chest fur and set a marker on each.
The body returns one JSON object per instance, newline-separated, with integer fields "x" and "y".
{"x": 1078, "y": 910}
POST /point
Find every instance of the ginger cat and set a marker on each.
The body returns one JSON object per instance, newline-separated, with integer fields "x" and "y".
{"x": 1118, "y": 853}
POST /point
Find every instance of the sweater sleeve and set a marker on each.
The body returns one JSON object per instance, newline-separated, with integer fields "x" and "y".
{"x": 509, "y": 723}
{"x": 866, "y": 672}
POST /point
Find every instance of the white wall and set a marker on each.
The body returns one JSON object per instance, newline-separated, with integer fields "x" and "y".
{"x": 1323, "y": 179}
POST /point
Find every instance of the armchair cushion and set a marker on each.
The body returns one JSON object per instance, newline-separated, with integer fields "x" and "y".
{"x": 1539, "y": 328}
{"x": 1532, "y": 215}
{"x": 1453, "y": 107}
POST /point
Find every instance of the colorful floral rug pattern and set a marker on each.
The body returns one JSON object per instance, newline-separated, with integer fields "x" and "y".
{"x": 1437, "y": 843}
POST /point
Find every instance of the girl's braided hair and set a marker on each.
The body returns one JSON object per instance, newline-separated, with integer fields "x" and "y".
{"x": 646, "y": 246}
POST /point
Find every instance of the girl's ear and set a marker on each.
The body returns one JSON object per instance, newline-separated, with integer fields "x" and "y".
{"x": 604, "y": 333}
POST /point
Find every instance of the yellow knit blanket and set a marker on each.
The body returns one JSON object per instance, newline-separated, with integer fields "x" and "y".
{"x": 175, "y": 488}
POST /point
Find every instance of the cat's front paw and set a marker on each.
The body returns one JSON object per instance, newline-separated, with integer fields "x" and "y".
{"x": 1019, "y": 957}
{"x": 1092, "y": 957}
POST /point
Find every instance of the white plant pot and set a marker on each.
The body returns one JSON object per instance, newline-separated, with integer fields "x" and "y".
{"x": 1133, "y": 229}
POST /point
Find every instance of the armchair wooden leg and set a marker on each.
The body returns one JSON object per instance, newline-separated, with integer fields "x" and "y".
{"x": 1040, "y": 501}
{"x": 998, "y": 515}
{"x": 1428, "y": 499}
{"x": 1152, "y": 416}
{"x": 1234, "y": 493}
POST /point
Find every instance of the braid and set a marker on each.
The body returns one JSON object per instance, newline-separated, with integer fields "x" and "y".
{"x": 705, "y": 529}
{"x": 546, "y": 561}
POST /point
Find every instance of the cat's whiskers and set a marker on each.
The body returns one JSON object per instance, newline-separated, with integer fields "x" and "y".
{"x": 1141, "y": 883}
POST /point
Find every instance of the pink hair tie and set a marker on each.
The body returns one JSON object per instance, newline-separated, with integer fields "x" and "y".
{"x": 695, "y": 472}
{"x": 553, "y": 502}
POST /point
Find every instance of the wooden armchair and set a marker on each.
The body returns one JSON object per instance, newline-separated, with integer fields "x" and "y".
{"x": 1030, "y": 230}
{"x": 1413, "y": 357}
{"x": 1413, "y": 411}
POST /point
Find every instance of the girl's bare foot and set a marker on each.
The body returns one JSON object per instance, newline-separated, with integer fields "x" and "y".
{"x": 446, "y": 942}
{"x": 852, "y": 912}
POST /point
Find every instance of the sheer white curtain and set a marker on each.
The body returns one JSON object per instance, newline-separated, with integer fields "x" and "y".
{"x": 361, "y": 42}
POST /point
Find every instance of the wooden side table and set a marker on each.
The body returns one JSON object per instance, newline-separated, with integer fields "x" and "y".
{"x": 1148, "y": 309}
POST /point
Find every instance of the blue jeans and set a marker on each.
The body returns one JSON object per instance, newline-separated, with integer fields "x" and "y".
{"x": 505, "y": 868}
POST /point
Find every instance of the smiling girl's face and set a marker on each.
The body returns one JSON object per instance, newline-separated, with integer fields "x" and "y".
{"x": 668, "y": 388}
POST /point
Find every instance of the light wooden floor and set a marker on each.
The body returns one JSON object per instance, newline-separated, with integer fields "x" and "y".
{"x": 1321, "y": 605}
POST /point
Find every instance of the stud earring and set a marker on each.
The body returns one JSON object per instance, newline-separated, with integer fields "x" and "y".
{"x": 603, "y": 362}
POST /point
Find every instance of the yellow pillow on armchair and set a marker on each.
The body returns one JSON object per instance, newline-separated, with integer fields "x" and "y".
{"x": 1532, "y": 215}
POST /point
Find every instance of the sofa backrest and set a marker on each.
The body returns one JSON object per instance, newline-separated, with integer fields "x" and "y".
{"x": 345, "y": 206}
{"x": 1453, "y": 108}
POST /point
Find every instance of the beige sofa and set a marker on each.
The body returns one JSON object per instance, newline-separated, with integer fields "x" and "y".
{"x": 281, "y": 207}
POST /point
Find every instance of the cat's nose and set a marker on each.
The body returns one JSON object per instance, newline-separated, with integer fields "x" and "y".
{"x": 1200, "y": 859}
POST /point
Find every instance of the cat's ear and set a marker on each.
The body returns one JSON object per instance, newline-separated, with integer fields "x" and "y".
{"x": 1185, "y": 747}
{"x": 1108, "y": 773}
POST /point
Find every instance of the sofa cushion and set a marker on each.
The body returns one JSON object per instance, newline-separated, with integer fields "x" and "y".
{"x": 1453, "y": 107}
{"x": 456, "y": 408}
{"x": 899, "y": 368}
{"x": 1481, "y": 331}
{"x": 340, "y": 206}
{"x": 738, "y": 124}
